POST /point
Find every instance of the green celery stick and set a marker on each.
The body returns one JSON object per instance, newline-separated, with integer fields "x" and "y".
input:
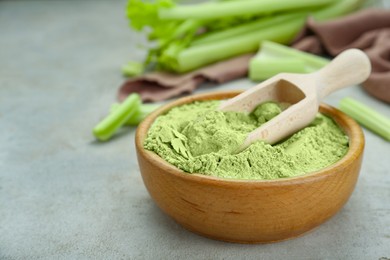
{"x": 136, "y": 118}
{"x": 181, "y": 46}
{"x": 367, "y": 117}
{"x": 282, "y": 31}
{"x": 108, "y": 126}
{"x": 249, "y": 27}
{"x": 203, "y": 54}
{"x": 275, "y": 50}
{"x": 215, "y": 10}
{"x": 261, "y": 69}
{"x": 146, "y": 109}
{"x": 200, "y": 54}
{"x": 274, "y": 58}
{"x": 132, "y": 69}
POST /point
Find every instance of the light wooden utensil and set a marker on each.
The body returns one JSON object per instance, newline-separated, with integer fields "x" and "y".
{"x": 250, "y": 211}
{"x": 303, "y": 91}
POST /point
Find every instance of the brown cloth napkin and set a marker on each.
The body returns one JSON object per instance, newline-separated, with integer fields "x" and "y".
{"x": 368, "y": 30}
{"x": 157, "y": 86}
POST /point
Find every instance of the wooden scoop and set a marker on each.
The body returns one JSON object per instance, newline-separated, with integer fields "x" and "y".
{"x": 303, "y": 91}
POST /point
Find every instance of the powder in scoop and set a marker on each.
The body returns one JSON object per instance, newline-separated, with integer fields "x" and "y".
{"x": 198, "y": 138}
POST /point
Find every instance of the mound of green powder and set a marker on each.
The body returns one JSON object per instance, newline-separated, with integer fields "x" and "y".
{"x": 199, "y": 139}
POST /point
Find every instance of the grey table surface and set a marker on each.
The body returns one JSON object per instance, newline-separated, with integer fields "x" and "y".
{"x": 65, "y": 196}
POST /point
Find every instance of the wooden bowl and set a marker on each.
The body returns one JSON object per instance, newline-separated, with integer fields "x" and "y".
{"x": 250, "y": 211}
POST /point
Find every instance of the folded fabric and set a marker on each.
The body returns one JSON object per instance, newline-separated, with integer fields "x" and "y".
{"x": 157, "y": 86}
{"x": 368, "y": 30}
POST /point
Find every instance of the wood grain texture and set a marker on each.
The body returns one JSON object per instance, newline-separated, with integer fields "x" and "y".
{"x": 303, "y": 91}
{"x": 250, "y": 211}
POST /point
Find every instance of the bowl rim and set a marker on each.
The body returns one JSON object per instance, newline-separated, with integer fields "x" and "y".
{"x": 349, "y": 126}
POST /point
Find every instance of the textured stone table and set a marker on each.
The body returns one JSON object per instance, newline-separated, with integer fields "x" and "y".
{"x": 65, "y": 196}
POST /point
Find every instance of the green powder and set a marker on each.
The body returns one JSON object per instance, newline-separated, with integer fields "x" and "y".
{"x": 199, "y": 139}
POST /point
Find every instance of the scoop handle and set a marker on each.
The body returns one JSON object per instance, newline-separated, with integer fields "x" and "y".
{"x": 350, "y": 67}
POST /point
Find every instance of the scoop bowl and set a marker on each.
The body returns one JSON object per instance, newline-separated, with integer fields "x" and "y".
{"x": 250, "y": 211}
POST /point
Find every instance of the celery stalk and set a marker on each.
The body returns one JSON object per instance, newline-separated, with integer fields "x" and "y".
{"x": 132, "y": 69}
{"x": 146, "y": 109}
{"x": 214, "y": 10}
{"x": 274, "y": 58}
{"x": 275, "y": 50}
{"x": 136, "y": 118}
{"x": 197, "y": 56}
{"x": 182, "y": 45}
{"x": 249, "y": 27}
{"x": 108, "y": 126}
{"x": 367, "y": 117}
{"x": 181, "y": 59}
{"x": 260, "y": 69}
